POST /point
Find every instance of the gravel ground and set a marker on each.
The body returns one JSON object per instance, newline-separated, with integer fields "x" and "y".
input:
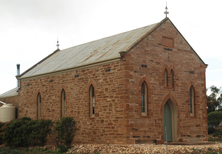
{"x": 144, "y": 149}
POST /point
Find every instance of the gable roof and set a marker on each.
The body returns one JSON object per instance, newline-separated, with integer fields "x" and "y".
{"x": 92, "y": 52}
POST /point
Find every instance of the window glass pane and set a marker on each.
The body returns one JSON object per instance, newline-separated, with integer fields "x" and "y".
{"x": 143, "y": 89}
{"x": 39, "y": 107}
{"x": 165, "y": 77}
{"x": 92, "y": 91}
{"x": 191, "y": 99}
{"x": 190, "y": 107}
{"x": 92, "y": 100}
{"x": 143, "y": 97}
{"x": 143, "y": 103}
{"x": 171, "y": 78}
{"x": 39, "y": 98}
{"x": 63, "y": 103}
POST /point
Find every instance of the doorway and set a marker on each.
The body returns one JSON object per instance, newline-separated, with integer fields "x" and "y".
{"x": 169, "y": 121}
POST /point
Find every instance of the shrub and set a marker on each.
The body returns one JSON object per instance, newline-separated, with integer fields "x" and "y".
{"x": 17, "y": 133}
{"x": 65, "y": 129}
{"x": 25, "y": 132}
{"x": 40, "y": 130}
{"x": 214, "y": 118}
{"x": 8, "y": 151}
{"x": 217, "y": 133}
{"x": 211, "y": 130}
{"x": 63, "y": 148}
{"x": 1, "y": 132}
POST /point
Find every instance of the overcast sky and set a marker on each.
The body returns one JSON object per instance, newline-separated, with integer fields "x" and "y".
{"x": 29, "y": 28}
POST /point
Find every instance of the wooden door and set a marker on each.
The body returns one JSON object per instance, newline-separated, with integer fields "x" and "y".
{"x": 167, "y": 123}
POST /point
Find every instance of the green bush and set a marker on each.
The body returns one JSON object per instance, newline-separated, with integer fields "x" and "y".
{"x": 40, "y": 130}
{"x": 217, "y": 133}
{"x": 214, "y": 118}
{"x": 65, "y": 129}
{"x": 1, "y": 132}
{"x": 211, "y": 130}
{"x": 8, "y": 151}
{"x": 25, "y": 132}
{"x": 63, "y": 148}
{"x": 17, "y": 133}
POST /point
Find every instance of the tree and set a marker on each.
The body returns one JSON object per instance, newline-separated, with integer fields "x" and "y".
{"x": 214, "y": 118}
{"x": 214, "y": 100}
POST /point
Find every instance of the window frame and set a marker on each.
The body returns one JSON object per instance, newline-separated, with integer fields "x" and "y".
{"x": 39, "y": 101}
{"x": 92, "y": 100}
{"x": 172, "y": 78}
{"x": 192, "y": 95}
{"x": 144, "y": 98}
{"x": 165, "y": 77}
{"x": 63, "y": 103}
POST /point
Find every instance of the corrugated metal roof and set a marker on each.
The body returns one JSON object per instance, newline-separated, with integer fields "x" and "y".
{"x": 95, "y": 51}
{"x": 10, "y": 93}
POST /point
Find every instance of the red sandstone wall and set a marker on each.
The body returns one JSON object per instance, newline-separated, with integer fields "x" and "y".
{"x": 181, "y": 59}
{"x": 109, "y": 123}
{"x": 118, "y": 100}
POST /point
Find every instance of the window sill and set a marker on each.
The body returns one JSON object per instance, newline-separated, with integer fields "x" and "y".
{"x": 92, "y": 116}
{"x": 191, "y": 114}
{"x": 144, "y": 114}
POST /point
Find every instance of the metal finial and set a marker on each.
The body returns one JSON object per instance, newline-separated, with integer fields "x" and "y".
{"x": 57, "y": 44}
{"x": 166, "y": 10}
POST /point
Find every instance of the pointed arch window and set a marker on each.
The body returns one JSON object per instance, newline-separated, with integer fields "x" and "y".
{"x": 39, "y": 106}
{"x": 192, "y": 101}
{"x": 63, "y": 103}
{"x": 165, "y": 77}
{"x": 171, "y": 78}
{"x": 92, "y": 101}
{"x": 144, "y": 98}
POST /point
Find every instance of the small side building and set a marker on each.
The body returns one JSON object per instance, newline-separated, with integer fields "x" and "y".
{"x": 10, "y": 97}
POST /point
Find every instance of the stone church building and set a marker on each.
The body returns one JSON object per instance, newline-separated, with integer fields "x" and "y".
{"x": 133, "y": 87}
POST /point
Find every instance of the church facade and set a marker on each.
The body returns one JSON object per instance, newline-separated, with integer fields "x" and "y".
{"x": 129, "y": 88}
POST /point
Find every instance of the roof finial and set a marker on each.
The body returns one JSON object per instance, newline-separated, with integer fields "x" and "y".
{"x": 57, "y": 44}
{"x": 166, "y": 10}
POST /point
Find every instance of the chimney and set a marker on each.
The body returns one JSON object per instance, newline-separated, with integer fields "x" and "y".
{"x": 18, "y": 73}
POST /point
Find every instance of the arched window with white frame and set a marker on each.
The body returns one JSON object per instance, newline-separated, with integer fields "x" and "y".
{"x": 39, "y": 106}
{"x": 171, "y": 78}
{"x": 165, "y": 77}
{"x": 92, "y": 100}
{"x": 144, "y": 98}
{"x": 63, "y": 103}
{"x": 192, "y": 101}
